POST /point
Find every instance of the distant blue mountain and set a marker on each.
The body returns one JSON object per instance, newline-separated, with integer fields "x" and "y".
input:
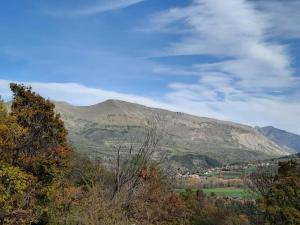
{"x": 282, "y": 138}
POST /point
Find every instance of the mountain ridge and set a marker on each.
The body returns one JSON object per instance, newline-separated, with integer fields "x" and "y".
{"x": 118, "y": 102}
{"x": 98, "y": 125}
{"x": 283, "y": 138}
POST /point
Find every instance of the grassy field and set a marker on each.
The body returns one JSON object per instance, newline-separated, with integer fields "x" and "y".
{"x": 232, "y": 174}
{"x": 226, "y": 192}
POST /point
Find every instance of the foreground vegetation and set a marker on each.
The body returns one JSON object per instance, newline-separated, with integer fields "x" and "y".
{"x": 42, "y": 181}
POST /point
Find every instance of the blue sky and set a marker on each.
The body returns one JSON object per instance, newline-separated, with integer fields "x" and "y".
{"x": 234, "y": 60}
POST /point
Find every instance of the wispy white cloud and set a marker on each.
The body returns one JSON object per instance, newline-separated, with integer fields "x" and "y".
{"x": 78, "y": 94}
{"x": 283, "y": 15}
{"x": 96, "y": 8}
{"x": 253, "y": 81}
{"x": 237, "y": 29}
{"x": 232, "y": 28}
{"x": 255, "y": 111}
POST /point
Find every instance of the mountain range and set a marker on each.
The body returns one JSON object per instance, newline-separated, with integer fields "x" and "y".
{"x": 283, "y": 138}
{"x": 191, "y": 141}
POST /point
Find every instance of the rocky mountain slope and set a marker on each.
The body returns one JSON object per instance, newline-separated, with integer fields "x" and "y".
{"x": 191, "y": 141}
{"x": 282, "y": 138}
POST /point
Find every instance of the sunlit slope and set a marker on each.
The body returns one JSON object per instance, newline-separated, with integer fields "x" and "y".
{"x": 95, "y": 128}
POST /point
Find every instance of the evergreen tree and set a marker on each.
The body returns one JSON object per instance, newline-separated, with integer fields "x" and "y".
{"x": 45, "y": 129}
{"x": 10, "y": 135}
{"x": 34, "y": 157}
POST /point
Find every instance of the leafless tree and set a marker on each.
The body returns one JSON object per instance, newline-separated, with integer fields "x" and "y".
{"x": 134, "y": 154}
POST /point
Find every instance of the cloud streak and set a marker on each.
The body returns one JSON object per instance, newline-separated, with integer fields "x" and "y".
{"x": 283, "y": 16}
{"x": 254, "y": 66}
{"x": 253, "y": 81}
{"x": 78, "y": 94}
{"x": 232, "y": 29}
{"x": 254, "y": 111}
{"x": 99, "y": 7}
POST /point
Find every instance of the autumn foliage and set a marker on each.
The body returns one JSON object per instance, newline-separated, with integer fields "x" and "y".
{"x": 34, "y": 156}
{"x": 42, "y": 181}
